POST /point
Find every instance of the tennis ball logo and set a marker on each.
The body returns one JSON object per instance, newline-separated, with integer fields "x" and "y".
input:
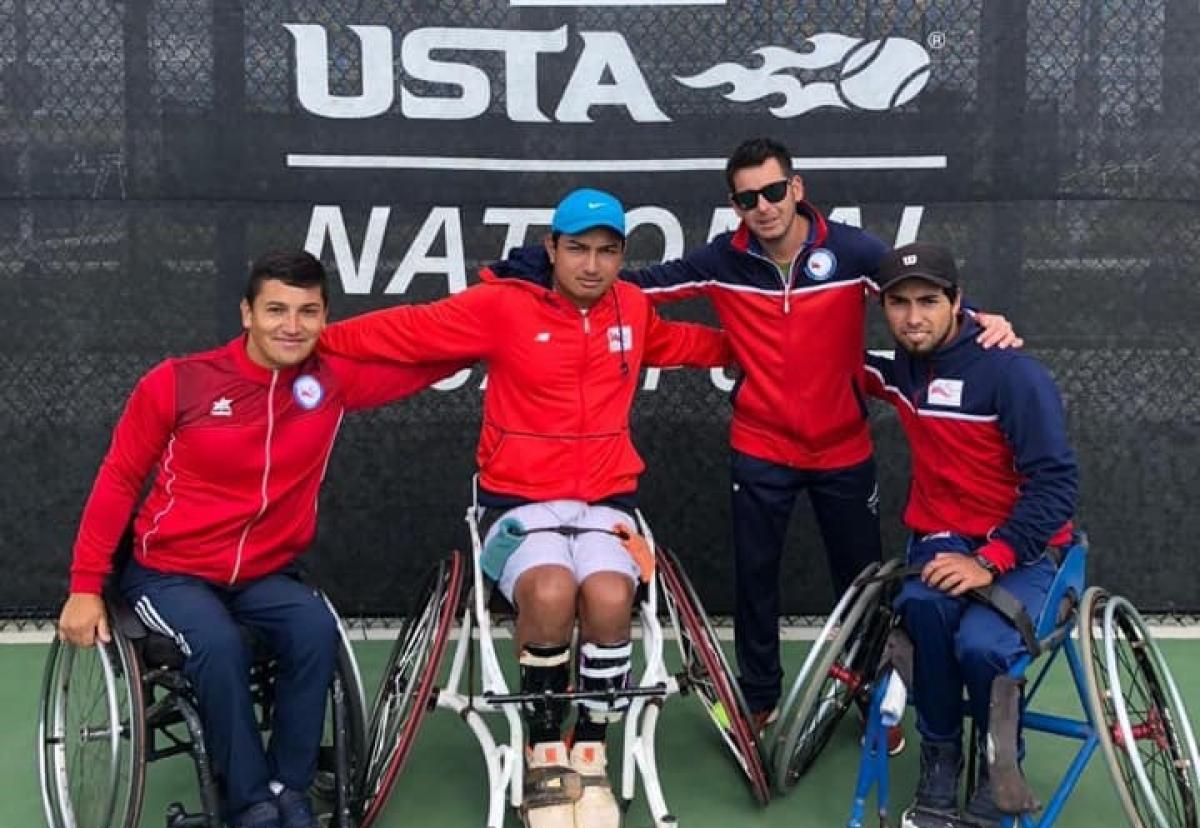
{"x": 882, "y": 74}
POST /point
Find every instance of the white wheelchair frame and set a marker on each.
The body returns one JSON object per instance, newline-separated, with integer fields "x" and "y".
{"x": 504, "y": 759}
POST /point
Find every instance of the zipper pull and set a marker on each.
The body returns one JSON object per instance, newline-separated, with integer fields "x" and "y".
{"x": 587, "y": 325}
{"x": 787, "y": 302}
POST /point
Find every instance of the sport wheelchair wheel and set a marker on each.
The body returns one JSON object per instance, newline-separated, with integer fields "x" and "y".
{"x": 706, "y": 672}
{"x": 406, "y": 690}
{"x": 343, "y": 745}
{"x": 91, "y": 736}
{"x": 1139, "y": 715}
{"x": 838, "y": 671}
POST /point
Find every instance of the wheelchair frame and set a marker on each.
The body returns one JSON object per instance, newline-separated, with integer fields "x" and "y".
{"x": 136, "y": 704}
{"x": 504, "y": 759}
{"x": 1106, "y": 722}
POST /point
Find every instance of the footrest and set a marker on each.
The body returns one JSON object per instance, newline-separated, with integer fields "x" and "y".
{"x": 548, "y": 786}
{"x": 177, "y": 817}
{"x": 1010, "y": 790}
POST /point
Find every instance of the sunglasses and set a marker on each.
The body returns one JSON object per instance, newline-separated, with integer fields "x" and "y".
{"x": 773, "y": 193}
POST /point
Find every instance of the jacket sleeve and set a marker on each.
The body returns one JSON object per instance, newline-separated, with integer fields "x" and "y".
{"x": 879, "y": 373}
{"x": 1032, "y": 419}
{"x": 369, "y": 384}
{"x": 460, "y": 327}
{"x": 670, "y": 344}
{"x": 140, "y": 438}
{"x": 677, "y": 279}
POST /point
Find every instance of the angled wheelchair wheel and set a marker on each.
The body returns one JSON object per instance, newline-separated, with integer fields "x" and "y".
{"x": 406, "y": 690}
{"x": 838, "y": 672}
{"x": 1144, "y": 730}
{"x": 91, "y": 736}
{"x": 344, "y": 744}
{"x": 706, "y": 673}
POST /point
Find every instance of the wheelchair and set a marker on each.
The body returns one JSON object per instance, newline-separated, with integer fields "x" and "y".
{"x": 109, "y": 710}
{"x": 476, "y": 689}
{"x": 1132, "y": 709}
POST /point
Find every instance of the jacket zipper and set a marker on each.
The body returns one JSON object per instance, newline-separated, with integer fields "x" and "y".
{"x": 785, "y": 283}
{"x": 237, "y": 564}
{"x": 583, "y": 364}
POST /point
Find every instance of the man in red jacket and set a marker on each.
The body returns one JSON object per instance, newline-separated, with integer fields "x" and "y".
{"x": 240, "y": 436}
{"x": 564, "y": 342}
{"x": 790, "y": 287}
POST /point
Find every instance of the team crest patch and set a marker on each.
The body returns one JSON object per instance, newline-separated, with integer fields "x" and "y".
{"x": 821, "y": 264}
{"x": 620, "y": 339}
{"x": 946, "y": 392}
{"x": 307, "y": 391}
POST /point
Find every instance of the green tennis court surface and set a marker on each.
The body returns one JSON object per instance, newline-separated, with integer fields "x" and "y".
{"x": 443, "y": 783}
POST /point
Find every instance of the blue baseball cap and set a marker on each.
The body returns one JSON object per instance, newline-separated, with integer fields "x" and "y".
{"x": 585, "y": 209}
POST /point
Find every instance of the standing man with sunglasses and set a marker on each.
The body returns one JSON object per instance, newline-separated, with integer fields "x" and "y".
{"x": 789, "y": 287}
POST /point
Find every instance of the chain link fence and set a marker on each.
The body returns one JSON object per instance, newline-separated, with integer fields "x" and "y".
{"x": 147, "y": 153}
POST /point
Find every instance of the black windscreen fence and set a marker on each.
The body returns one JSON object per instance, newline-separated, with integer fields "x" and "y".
{"x": 149, "y": 149}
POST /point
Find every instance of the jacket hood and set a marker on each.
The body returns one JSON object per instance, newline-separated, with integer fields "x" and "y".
{"x": 530, "y": 264}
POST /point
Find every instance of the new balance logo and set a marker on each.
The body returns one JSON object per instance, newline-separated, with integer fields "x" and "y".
{"x": 222, "y": 408}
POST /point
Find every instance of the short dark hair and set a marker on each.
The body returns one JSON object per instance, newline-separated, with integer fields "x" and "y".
{"x": 297, "y": 268}
{"x": 755, "y": 151}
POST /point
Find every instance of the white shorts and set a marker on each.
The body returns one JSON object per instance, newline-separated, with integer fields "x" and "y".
{"x": 584, "y": 554}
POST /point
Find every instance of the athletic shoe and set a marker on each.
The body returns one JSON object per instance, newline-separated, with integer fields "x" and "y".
{"x": 597, "y": 807}
{"x": 551, "y": 787}
{"x": 295, "y": 810}
{"x": 258, "y": 815}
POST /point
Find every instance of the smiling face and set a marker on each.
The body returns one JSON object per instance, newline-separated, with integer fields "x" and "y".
{"x": 920, "y": 315}
{"x": 770, "y": 222}
{"x": 283, "y": 323}
{"x": 585, "y": 265}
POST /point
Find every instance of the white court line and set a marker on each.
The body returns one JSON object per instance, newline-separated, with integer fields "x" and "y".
{"x": 596, "y": 165}
{"x": 604, "y": 4}
{"x": 1189, "y": 632}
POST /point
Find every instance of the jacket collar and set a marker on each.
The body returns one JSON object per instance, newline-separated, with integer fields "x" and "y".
{"x": 251, "y": 370}
{"x": 744, "y": 241}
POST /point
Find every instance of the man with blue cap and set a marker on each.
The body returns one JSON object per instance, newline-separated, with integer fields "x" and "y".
{"x": 564, "y": 342}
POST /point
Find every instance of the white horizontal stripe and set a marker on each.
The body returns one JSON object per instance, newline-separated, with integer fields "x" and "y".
{"x": 591, "y": 650}
{"x": 603, "y": 706}
{"x": 1187, "y": 629}
{"x": 604, "y": 672}
{"x": 858, "y": 283}
{"x": 604, "y": 4}
{"x": 958, "y": 415}
{"x": 594, "y": 165}
{"x": 528, "y": 659}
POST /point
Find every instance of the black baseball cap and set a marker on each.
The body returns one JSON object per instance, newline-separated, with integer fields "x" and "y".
{"x": 930, "y": 262}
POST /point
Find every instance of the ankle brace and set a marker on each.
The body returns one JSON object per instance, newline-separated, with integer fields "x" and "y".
{"x": 545, "y": 667}
{"x": 602, "y": 667}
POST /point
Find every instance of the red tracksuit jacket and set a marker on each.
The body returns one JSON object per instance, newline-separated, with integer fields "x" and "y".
{"x": 799, "y": 340}
{"x": 560, "y": 381}
{"x": 241, "y": 451}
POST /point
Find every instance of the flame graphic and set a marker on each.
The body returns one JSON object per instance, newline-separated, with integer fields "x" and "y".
{"x": 821, "y": 51}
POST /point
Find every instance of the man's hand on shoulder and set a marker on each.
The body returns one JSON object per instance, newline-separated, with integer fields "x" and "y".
{"x": 997, "y": 332}
{"x": 83, "y": 620}
{"x": 955, "y": 573}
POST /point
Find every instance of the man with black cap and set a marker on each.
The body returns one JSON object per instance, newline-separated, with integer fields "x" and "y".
{"x": 994, "y": 484}
{"x": 564, "y": 342}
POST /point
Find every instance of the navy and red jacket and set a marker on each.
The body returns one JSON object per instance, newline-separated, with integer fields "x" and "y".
{"x": 560, "y": 381}
{"x": 240, "y": 452}
{"x": 799, "y": 341}
{"x": 987, "y": 434}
